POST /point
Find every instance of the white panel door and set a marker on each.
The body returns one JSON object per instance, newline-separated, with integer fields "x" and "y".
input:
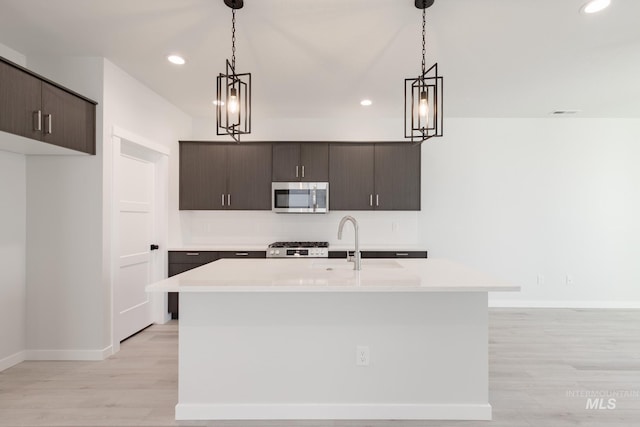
{"x": 135, "y": 189}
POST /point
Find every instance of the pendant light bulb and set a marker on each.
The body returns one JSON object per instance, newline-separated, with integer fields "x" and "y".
{"x": 423, "y": 108}
{"x": 232, "y": 105}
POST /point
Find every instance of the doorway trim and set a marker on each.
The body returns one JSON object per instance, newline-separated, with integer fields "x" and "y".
{"x": 133, "y": 145}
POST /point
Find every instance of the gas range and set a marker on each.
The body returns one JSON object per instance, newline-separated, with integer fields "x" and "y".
{"x": 298, "y": 250}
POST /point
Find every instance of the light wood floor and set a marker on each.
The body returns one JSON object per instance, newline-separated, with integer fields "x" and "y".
{"x": 538, "y": 357}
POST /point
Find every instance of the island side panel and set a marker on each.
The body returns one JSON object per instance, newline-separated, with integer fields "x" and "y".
{"x": 293, "y": 356}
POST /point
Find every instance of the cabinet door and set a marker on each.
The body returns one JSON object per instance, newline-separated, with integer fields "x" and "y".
{"x": 286, "y": 162}
{"x": 68, "y": 121}
{"x": 20, "y": 100}
{"x": 397, "y": 177}
{"x": 242, "y": 254}
{"x": 249, "y": 168}
{"x": 203, "y": 176}
{"x": 351, "y": 176}
{"x": 314, "y": 162}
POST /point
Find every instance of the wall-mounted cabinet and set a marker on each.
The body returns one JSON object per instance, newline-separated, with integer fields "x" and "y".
{"x": 36, "y": 108}
{"x": 380, "y": 176}
{"x": 220, "y": 176}
{"x": 306, "y": 161}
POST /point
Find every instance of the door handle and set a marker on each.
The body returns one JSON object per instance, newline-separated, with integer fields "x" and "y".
{"x": 223, "y": 200}
{"x": 193, "y": 253}
{"x": 228, "y": 199}
{"x": 48, "y": 118}
{"x": 37, "y": 120}
{"x": 297, "y": 167}
{"x": 242, "y": 253}
{"x": 370, "y": 199}
{"x": 377, "y": 200}
{"x": 303, "y": 171}
{"x": 154, "y": 247}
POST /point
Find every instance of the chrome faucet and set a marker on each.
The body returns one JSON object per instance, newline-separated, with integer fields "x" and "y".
{"x": 356, "y": 253}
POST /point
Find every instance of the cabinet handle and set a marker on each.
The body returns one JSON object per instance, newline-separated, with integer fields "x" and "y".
{"x": 37, "y": 120}
{"x": 242, "y": 253}
{"x": 48, "y": 118}
{"x": 377, "y": 200}
{"x": 303, "y": 171}
{"x": 228, "y": 199}
{"x": 370, "y": 199}
{"x": 297, "y": 171}
{"x": 193, "y": 253}
{"x": 223, "y": 200}
{"x": 402, "y": 254}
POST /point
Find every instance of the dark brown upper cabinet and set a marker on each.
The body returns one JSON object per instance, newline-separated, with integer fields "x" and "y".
{"x": 378, "y": 176}
{"x": 37, "y": 108}
{"x": 220, "y": 176}
{"x": 304, "y": 161}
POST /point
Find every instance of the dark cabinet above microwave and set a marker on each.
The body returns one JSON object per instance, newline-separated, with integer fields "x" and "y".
{"x": 300, "y": 161}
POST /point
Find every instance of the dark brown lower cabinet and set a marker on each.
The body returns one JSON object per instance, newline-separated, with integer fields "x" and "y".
{"x": 381, "y": 254}
{"x": 181, "y": 261}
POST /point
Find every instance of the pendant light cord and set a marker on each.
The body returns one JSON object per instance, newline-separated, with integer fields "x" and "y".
{"x": 424, "y": 43}
{"x": 233, "y": 40}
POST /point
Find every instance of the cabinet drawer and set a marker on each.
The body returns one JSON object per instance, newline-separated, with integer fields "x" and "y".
{"x": 242, "y": 254}
{"x": 394, "y": 254}
{"x": 381, "y": 254}
{"x": 192, "y": 257}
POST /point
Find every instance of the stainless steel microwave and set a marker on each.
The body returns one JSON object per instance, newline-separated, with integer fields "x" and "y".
{"x": 300, "y": 197}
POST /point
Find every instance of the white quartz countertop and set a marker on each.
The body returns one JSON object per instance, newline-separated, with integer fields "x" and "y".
{"x": 332, "y": 275}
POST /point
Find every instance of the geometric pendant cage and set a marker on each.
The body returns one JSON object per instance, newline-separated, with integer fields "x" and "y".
{"x": 423, "y": 106}
{"x": 233, "y": 91}
{"x": 423, "y": 95}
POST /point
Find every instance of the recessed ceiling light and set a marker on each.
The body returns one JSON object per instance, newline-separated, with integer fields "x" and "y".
{"x": 366, "y": 102}
{"x": 175, "y": 59}
{"x": 595, "y": 6}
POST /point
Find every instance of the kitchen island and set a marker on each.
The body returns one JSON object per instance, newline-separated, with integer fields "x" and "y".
{"x": 314, "y": 339}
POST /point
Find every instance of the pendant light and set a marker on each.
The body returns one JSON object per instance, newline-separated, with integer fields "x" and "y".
{"x": 233, "y": 94}
{"x": 423, "y": 95}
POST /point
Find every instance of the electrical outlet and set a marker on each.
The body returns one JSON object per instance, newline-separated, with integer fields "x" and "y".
{"x": 362, "y": 355}
{"x": 540, "y": 279}
{"x": 569, "y": 279}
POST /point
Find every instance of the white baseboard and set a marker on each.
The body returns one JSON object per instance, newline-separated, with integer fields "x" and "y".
{"x": 562, "y": 304}
{"x": 12, "y": 360}
{"x": 69, "y": 354}
{"x": 186, "y": 411}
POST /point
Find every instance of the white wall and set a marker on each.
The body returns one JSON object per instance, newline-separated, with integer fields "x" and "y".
{"x": 69, "y": 211}
{"x": 67, "y": 315}
{"x": 13, "y": 208}
{"x": 522, "y": 197}
{"x": 515, "y": 197}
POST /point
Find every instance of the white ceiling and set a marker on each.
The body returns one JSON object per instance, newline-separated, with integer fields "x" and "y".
{"x": 319, "y": 58}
